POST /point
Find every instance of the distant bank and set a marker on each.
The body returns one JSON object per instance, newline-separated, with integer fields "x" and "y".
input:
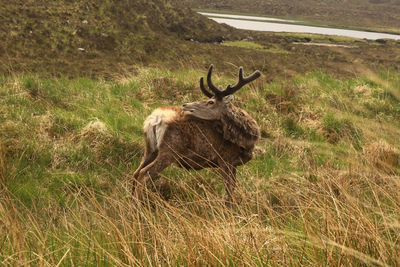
{"x": 281, "y": 25}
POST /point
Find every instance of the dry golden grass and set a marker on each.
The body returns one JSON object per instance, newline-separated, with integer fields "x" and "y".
{"x": 382, "y": 156}
{"x": 2, "y": 165}
{"x": 322, "y": 217}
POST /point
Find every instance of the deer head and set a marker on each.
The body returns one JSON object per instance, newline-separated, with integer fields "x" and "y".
{"x": 212, "y": 108}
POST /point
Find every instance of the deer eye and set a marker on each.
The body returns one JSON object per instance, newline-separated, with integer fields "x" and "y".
{"x": 210, "y": 102}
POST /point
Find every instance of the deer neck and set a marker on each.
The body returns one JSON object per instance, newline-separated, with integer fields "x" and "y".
{"x": 239, "y": 127}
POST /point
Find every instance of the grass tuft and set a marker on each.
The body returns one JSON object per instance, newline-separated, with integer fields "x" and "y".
{"x": 382, "y": 156}
{"x": 336, "y": 129}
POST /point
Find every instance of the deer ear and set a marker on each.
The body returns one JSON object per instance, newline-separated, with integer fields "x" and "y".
{"x": 227, "y": 99}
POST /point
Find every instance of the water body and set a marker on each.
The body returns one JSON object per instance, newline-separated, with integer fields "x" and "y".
{"x": 264, "y": 24}
{"x": 247, "y": 17}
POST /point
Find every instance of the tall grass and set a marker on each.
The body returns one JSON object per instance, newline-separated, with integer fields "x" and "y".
{"x": 327, "y": 217}
{"x": 68, "y": 149}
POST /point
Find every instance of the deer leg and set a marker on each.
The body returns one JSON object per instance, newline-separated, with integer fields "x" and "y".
{"x": 146, "y": 160}
{"x": 228, "y": 173}
{"x": 148, "y": 157}
{"x": 161, "y": 162}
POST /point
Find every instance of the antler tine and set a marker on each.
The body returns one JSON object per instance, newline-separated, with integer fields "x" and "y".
{"x": 203, "y": 89}
{"x": 213, "y": 88}
{"x": 242, "y": 82}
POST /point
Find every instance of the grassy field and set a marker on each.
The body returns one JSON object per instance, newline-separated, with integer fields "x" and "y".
{"x": 323, "y": 189}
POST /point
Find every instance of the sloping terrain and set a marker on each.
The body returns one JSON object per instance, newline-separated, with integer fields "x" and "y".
{"x": 96, "y": 35}
{"x": 111, "y": 38}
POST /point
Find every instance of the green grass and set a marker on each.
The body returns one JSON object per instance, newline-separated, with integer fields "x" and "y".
{"x": 321, "y": 38}
{"x": 68, "y": 148}
{"x": 254, "y": 46}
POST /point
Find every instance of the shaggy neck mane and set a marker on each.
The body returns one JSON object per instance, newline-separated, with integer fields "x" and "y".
{"x": 238, "y": 127}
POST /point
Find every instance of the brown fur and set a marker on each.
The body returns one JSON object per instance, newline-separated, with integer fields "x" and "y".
{"x": 239, "y": 127}
{"x": 209, "y": 133}
{"x": 194, "y": 143}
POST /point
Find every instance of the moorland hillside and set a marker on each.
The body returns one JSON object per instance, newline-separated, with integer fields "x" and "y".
{"x": 85, "y": 37}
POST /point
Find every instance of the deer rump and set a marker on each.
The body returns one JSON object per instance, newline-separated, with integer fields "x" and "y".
{"x": 195, "y": 143}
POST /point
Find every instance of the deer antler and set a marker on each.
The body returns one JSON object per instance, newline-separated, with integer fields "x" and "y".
{"x": 242, "y": 82}
{"x": 203, "y": 89}
{"x": 213, "y": 88}
{"x": 229, "y": 89}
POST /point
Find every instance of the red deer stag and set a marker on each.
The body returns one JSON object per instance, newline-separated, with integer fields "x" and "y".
{"x": 209, "y": 133}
